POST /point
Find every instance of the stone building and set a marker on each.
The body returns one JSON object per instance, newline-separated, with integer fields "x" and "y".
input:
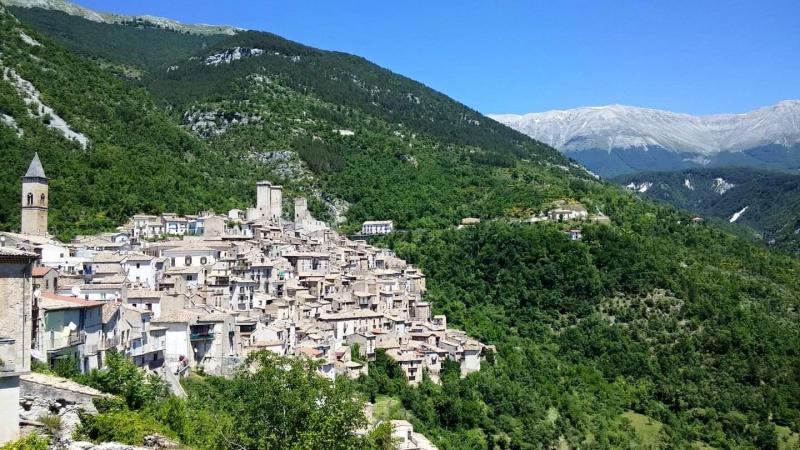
{"x": 16, "y": 297}
{"x": 269, "y": 200}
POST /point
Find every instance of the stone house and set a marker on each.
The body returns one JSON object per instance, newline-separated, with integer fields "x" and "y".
{"x": 68, "y": 327}
{"x": 45, "y": 279}
{"x": 16, "y": 300}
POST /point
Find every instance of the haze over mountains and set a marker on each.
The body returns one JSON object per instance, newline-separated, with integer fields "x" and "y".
{"x": 617, "y": 139}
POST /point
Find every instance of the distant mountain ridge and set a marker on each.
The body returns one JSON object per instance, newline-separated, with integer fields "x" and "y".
{"x": 764, "y": 200}
{"x": 101, "y": 17}
{"x": 617, "y": 139}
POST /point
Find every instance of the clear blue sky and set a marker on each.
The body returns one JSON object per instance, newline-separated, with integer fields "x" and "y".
{"x": 689, "y": 56}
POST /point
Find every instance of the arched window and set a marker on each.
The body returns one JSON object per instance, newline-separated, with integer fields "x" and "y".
{"x": 42, "y": 199}
{"x": 204, "y": 260}
{"x": 30, "y": 199}
{"x": 187, "y": 261}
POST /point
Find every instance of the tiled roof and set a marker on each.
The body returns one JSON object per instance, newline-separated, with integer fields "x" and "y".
{"x": 7, "y": 251}
{"x": 55, "y": 301}
{"x": 41, "y": 271}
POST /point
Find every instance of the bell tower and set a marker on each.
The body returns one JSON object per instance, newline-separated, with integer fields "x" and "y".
{"x": 34, "y": 199}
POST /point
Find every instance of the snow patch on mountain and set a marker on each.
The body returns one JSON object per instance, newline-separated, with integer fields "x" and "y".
{"x": 688, "y": 184}
{"x": 738, "y": 214}
{"x": 36, "y": 108}
{"x": 230, "y": 55}
{"x": 640, "y": 187}
{"x": 720, "y": 186}
{"x": 627, "y": 127}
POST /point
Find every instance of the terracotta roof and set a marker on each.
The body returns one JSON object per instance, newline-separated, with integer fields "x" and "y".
{"x": 55, "y": 301}
{"x": 310, "y": 352}
{"x": 41, "y": 271}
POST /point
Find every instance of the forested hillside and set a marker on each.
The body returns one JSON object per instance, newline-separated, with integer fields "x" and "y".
{"x": 647, "y": 323}
{"x": 764, "y": 200}
{"x": 146, "y": 48}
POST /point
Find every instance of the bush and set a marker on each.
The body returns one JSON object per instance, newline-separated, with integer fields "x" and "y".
{"x": 32, "y": 441}
{"x": 122, "y": 377}
{"x": 127, "y": 427}
{"x": 66, "y": 367}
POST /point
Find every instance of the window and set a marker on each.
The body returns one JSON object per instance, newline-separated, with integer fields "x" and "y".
{"x": 30, "y": 199}
{"x": 187, "y": 261}
{"x": 42, "y": 199}
{"x": 204, "y": 260}
{"x": 138, "y": 265}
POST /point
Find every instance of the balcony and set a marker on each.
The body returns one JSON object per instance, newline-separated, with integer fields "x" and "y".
{"x": 111, "y": 342}
{"x": 60, "y": 340}
{"x": 150, "y": 347}
{"x": 202, "y": 336}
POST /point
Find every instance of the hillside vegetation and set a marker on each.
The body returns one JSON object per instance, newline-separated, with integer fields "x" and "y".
{"x": 686, "y": 325}
{"x": 771, "y": 198}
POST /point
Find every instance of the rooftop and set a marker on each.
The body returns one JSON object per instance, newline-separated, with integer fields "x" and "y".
{"x": 35, "y": 170}
{"x": 50, "y": 301}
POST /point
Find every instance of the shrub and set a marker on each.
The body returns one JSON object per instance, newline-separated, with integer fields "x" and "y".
{"x": 32, "y": 441}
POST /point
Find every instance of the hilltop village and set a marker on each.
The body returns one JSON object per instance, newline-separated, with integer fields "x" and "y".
{"x": 199, "y": 293}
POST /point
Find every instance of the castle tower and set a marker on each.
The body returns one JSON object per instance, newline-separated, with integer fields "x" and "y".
{"x": 276, "y": 202}
{"x": 34, "y": 199}
{"x": 263, "y": 197}
{"x": 300, "y": 209}
{"x": 269, "y": 200}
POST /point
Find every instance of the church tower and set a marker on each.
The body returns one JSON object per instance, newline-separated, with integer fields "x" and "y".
{"x": 34, "y": 199}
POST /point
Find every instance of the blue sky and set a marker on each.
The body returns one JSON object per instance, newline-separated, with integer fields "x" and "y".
{"x": 697, "y": 57}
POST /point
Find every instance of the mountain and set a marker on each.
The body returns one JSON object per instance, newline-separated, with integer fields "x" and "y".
{"x": 764, "y": 200}
{"x": 616, "y": 139}
{"x": 287, "y": 130}
{"x": 646, "y": 323}
{"x": 137, "y": 21}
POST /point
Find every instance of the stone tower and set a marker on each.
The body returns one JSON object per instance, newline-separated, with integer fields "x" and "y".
{"x": 34, "y": 199}
{"x": 263, "y": 198}
{"x": 300, "y": 209}
{"x": 269, "y": 200}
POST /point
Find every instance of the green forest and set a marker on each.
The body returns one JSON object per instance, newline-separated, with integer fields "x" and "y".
{"x": 649, "y": 332}
{"x": 772, "y": 199}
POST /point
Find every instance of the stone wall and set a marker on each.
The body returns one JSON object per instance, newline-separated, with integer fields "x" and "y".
{"x": 44, "y": 395}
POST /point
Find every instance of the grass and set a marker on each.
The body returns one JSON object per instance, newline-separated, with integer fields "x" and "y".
{"x": 646, "y": 428}
{"x": 390, "y": 408}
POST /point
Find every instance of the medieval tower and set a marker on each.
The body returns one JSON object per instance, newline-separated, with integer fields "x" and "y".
{"x": 34, "y": 199}
{"x": 269, "y": 200}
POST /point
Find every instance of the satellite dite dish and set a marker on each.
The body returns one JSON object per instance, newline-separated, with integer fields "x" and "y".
{"x": 72, "y": 326}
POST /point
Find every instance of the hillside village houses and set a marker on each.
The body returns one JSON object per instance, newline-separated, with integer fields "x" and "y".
{"x": 214, "y": 290}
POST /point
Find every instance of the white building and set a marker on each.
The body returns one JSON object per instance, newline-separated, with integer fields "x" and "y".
{"x": 140, "y": 270}
{"x": 373, "y": 227}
